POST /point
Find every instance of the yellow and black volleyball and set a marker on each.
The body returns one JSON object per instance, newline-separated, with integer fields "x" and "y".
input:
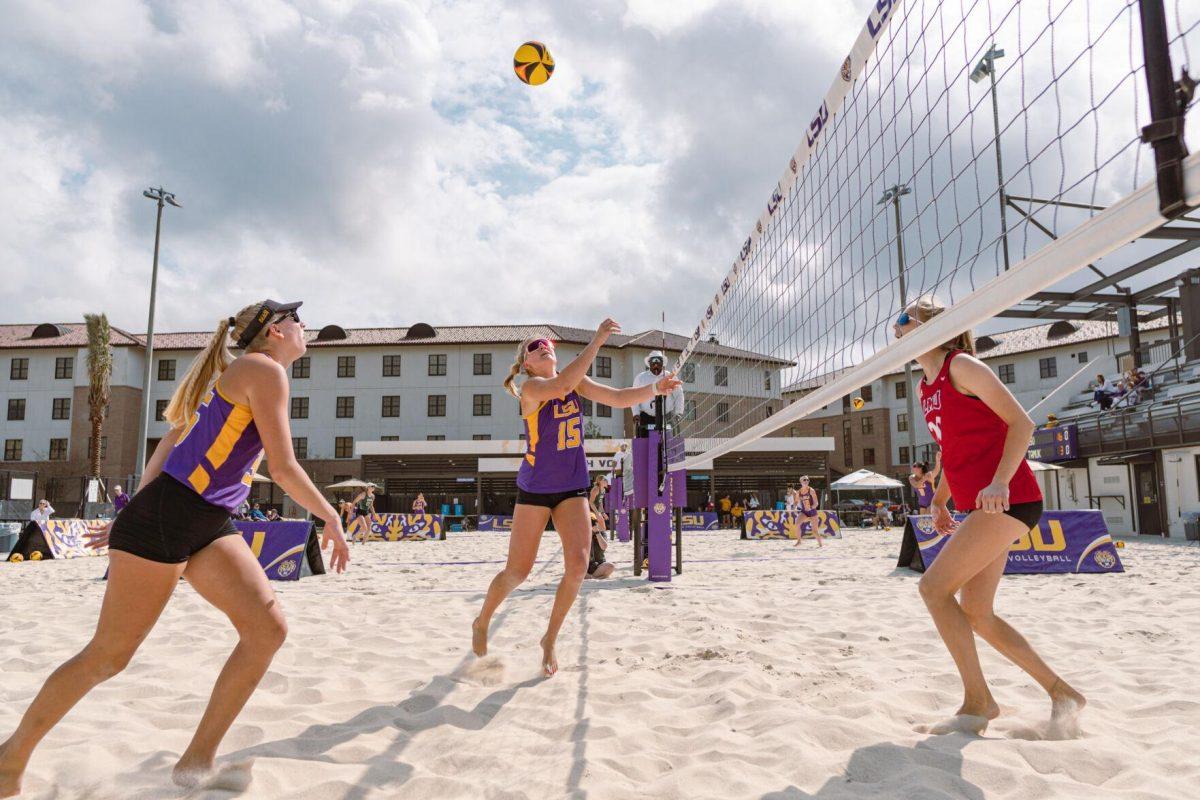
{"x": 36, "y": 555}
{"x": 16, "y": 558}
{"x": 858, "y": 403}
{"x": 533, "y": 63}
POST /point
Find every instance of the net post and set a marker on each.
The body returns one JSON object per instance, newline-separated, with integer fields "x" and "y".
{"x": 1169, "y": 100}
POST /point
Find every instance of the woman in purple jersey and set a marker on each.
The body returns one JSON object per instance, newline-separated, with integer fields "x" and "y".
{"x": 553, "y": 478}
{"x": 223, "y": 416}
{"x": 924, "y": 482}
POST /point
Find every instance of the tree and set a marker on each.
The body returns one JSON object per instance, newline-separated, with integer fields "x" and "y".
{"x": 99, "y": 364}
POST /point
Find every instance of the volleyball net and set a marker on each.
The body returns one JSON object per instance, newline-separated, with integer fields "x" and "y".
{"x": 906, "y": 183}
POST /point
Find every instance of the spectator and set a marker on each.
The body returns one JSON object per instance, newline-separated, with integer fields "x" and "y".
{"x": 726, "y": 512}
{"x": 120, "y": 499}
{"x": 272, "y": 515}
{"x": 1103, "y": 393}
{"x": 41, "y": 514}
{"x": 736, "y": 512}
{"x": 709, "y": 506}
{"x": 1051, "y": 421}
{"x": 752, "y": 503}
{"x": 257, "y": 515}
{"x": 243, "y": 511}
{"x": 597, "y": 566}
{"x": 419, "y": 504}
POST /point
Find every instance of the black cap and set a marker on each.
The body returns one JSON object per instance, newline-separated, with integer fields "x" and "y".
{"x": 268, "y": 309}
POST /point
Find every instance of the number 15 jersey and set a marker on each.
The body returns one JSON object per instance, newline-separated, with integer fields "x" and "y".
{"x": 554, "y": 457}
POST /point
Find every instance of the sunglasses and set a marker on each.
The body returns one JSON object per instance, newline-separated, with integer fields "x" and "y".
{"x": 286, "y": 315}
{"x": 537, "y": 344}
{"x": 903, "y": 319}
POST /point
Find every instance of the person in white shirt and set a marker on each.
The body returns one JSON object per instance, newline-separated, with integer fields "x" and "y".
{"x": 41, "y": 514}
{"x": 752, "y": 503}
{"x": 673, "y": 403}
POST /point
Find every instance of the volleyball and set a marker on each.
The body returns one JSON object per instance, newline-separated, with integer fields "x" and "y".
{"x": 36, "y": 555}
{"x": 16, "y": 558}
{"x": 858, "y": 403}
{"x": 533, "y": 63}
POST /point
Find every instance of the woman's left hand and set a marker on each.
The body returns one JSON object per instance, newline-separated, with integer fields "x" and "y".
{"x": 96, "y": 538}
{"x": 667, "y": 383}
{"x": 993, "y": 498}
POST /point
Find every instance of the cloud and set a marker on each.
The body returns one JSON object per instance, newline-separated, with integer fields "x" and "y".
{"x": 380, "y": 160}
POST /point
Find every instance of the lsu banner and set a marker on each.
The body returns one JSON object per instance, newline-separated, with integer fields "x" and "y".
{"x": 699, "y": 520}
{"x": 1062, "y": 541}
{"x": 789, "y": 524}
{"x": 278, "y": 546}
{"x": 57, "y": 538}
{"x": 496, "y": 523}
{"x": 398, "y": 527}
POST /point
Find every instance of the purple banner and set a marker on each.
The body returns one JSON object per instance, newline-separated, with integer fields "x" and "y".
{"x": 278, "y": 546}
{"x": 699, "y": 520}
{"x": 399, "y": 527}
{"x": 790, "y": 524}
{"x": 496, "y": 523}
{"x": 1062, "y": 541}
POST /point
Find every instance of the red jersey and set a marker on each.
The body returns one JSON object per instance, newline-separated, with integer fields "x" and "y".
{"x": 971, "y": 436}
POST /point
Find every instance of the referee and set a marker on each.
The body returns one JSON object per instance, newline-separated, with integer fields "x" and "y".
{"x": 673, "y": 403}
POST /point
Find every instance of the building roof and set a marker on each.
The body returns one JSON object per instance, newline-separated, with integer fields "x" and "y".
{"x": 75, "y": 335}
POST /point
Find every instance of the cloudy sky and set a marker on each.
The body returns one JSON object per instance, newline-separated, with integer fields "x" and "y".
{"x": 379, "y": 160}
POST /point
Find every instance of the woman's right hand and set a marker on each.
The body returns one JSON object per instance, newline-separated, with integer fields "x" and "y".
{"x": 340, "y": 556}
{"x": 943, "y": 522}
{"x": 606, "y": 329}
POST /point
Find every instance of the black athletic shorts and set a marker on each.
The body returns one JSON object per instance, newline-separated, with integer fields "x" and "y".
{"x": 168, "y": 522}
{"x": 551, "y": 500}
{"x": 1027, "y": 513}
{"x": 595, "y": 565}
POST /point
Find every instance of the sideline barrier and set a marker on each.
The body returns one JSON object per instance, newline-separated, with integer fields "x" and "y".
{"x": 1061, "y": 542}
{"x": 700, "y": 521}
{"x": 58, "y": 538}
{"x": 495, "y": 523}
{"x": 282, "y": 547}
{"x": 399, "y": 527}
{"x": 789, "y": 524}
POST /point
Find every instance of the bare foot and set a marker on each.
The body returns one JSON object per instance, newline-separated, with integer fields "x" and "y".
{"x": 549, "y": 659}
{"x": 191, "y": 771}
{"x": 973, "y": 720}
{"x": 10, "y": 774}
{"x": 1065, "y": 706}
{"x": 479, "y": 637}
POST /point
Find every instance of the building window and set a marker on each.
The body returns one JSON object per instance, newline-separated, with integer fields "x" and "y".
{"x": 902, "y": 422}
{"x": 64, "y": 367}
{"x": 865, "y": 393}
{"x": 1048, "y": 367}
{"x": 481, "y": 405}
{"x": 345, "y": 408}
{"x": 868, "y": 456}
{"x": 300, "y": 446}
{"x": 166, "y": 369}
{"x": 436, "y": 405}
{"x": 720, "y": 376}
{"x": 587, "y": 407}
{"x": 160, "y": 410}
{"x": 1082, "y": 356}
{"x": 1007, "y": 373}
{"x": 437, "y": 364}
{"x": 603, "y": 410}
{"x": 722, "y": 412}
{"x": 846, "y": 403}
{"x": 58, "y": 449}
{"x": 766, "y": 380}
{"x": 391, "y": 406}
{"x": 389, "y": 438}
{"x": 12, "y": 448}
{"x": 688, "y": 373}
{"x": 868, "y": 425}
{"x": 603, "y": 366}
{"x": 60, "y": 408}
{"x": 901, "y": 390}
{"x": 824, "y": 428}
{"x": 847, "y": 442}
{"x": 19, "y": 371}
{"x": 103, "y": 446}
{"x": 301, "y": 366}
{"x": 299, "y": 408}
{"x": 343, "y": 446}
{"x": 482, "y": 363}
{"x": 904, "y": 455}
{"x": 436, "y": 437}
{"x": 689, "y": 409}
{"x": 391, "y": 366}
{"x": 770, "y": 410}
{"x": 16, "y": 408}
{"x": 481, "y": 437}
{"x": 345, "y": 367}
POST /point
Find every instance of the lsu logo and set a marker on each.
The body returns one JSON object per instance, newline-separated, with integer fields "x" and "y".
{"x": 564, "y": 410}
{"x": 758, "y": 227}
{"x": 817, "y": 125}
{"x": 793, "y": 166}
{"x": 776, "y": 198}
{"x": 879, "y": 17}
{"x": 745, "y": 253}
{"x": 660, "y": 508}
{"x": 1034, "y": 539}
{"x": 846, "y": 70}
{"x": 1105, "y": 559}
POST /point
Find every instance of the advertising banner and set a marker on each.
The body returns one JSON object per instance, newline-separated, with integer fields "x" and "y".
{"x": 789, "y": 524}
{"x": 699, "y": 520}
{"x": 1062, "y": 541}
{"x": 399, "y": 527}
{"x": 278, "y": 546}
{"x": 497, "y": 523}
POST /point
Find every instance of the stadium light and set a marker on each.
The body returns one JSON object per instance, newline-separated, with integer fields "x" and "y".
{"x": 161, "y": 197}
{"x": 986, "y": 68}
{"x": 892, "y": 195}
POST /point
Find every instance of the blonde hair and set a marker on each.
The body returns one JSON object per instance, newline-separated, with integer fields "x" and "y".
{"x": 214, "y": 359}
{"x": 928, "y": 306}
{"x": 518, "y": 367}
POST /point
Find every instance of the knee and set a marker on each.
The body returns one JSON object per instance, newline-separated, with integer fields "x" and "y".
{"x": 981, "y": 618}
{"x": 105, "y": 662}
{"x": 932, "y": 591}
{"x": 516, "y": 575}
{"x": 267, "y": 633}
{"x": 576, "y": 563}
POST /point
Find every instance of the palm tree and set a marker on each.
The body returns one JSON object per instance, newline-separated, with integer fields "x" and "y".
{"x": 99, "y": 364}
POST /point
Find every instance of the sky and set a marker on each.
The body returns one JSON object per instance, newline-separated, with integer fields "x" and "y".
{"x": 380, "y": 161}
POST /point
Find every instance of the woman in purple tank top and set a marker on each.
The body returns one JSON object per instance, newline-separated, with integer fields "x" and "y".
{"x": 225, "y": 414}
{"x": 924, "y": 482}
{"x": 553, "y": 481}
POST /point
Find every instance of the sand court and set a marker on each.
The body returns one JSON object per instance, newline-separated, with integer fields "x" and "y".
{"x": 762, "y": 671}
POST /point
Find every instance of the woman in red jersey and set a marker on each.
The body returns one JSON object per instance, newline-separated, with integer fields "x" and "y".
{"x": 983, "y": 433}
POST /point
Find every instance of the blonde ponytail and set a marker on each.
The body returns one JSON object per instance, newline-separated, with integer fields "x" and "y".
{"x": 518, "y": 367}
{"x": 928, "y": 306}
{"x": 207, "y": 367}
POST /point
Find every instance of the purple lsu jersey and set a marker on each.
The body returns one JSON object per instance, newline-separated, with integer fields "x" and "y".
{"x": 218, "y": 451}
{"x": 554, "y": 458}
{"x": 924, "y": 494}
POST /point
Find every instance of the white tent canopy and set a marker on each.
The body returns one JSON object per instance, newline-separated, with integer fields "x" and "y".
{"x": 1038, "y": 466}
{"x": 352, "y": 483}
{"x": 865, "y": 479}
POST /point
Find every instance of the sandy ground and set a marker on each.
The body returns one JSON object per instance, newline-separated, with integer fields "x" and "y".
{"x": 763, "y": 671}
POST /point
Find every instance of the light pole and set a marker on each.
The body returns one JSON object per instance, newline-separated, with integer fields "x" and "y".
{"x": 986, "y": 68}
{"x": 162, "y": 198}
{"x": 892, "y": 195}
